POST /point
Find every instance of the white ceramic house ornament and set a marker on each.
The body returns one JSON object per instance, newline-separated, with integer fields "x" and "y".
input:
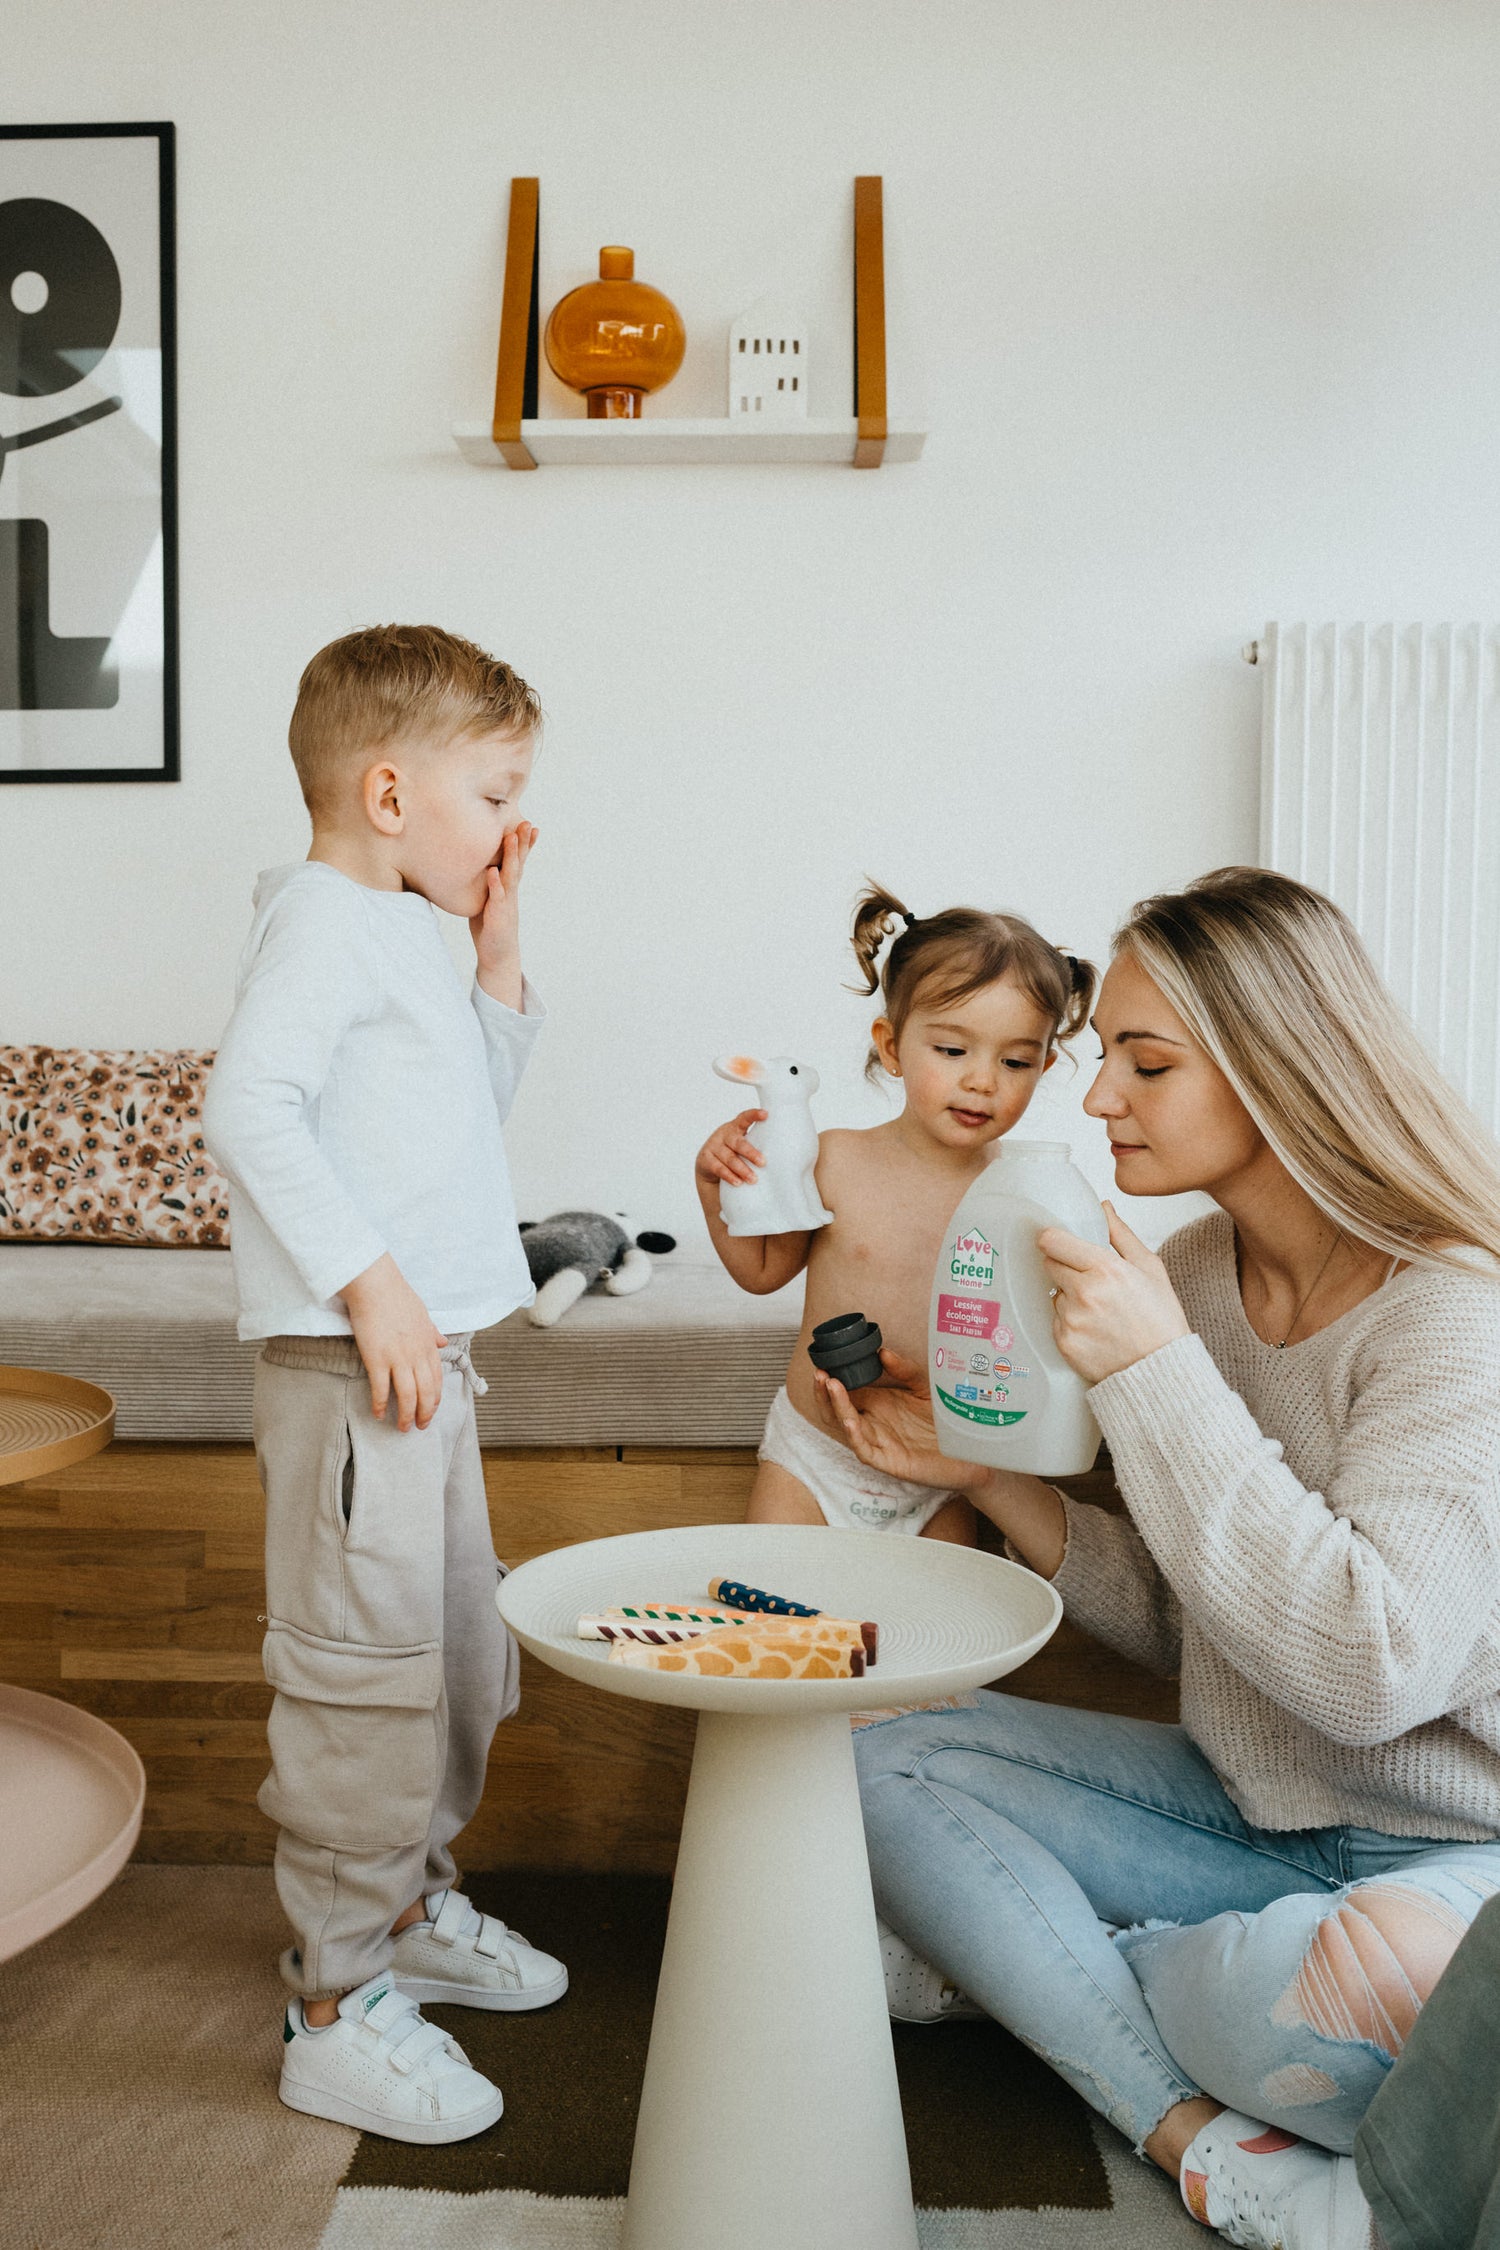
{"x": 767, "y": 367}
{"x": 783, "y": 1198}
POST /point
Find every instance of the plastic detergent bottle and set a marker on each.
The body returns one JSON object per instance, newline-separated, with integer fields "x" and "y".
{"x": 1002, "y": 1393}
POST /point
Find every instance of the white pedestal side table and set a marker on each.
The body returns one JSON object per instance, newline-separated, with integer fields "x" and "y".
{"x": 770, "y": 2112}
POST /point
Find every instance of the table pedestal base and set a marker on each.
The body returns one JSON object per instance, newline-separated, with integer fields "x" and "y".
{"x": 770, "y": 2112}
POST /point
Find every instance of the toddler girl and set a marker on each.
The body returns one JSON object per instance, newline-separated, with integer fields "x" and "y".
{"x": 975, "y": 1004}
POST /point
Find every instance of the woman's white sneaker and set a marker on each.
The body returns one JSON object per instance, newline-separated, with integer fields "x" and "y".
{"x": 916, "y": 1992}
{"x": 1265, "y": 2189}
{"x": 470, "y": 1960}
{"x": 381, "y": 2067}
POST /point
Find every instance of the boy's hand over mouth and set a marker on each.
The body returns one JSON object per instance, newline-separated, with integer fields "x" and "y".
{"x": 496, "y": 929}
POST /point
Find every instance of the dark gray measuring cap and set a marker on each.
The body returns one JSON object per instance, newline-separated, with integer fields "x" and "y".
{"x": 847, "y": 1346}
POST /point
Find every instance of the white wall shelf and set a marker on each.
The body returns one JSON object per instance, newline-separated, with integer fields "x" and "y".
{"x": 513, "y": 438}
{"x": 575, "y": 442}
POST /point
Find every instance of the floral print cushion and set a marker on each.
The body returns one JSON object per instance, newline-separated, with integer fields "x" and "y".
{"x": 101, "y": 1147}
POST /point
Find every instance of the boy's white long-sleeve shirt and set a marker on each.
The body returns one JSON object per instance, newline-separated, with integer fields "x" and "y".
{"x": 356, "y": 1106}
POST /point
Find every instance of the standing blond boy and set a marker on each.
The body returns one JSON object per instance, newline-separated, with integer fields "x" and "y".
{"x": 356, "y": 1106}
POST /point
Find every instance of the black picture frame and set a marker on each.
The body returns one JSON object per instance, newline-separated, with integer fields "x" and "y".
{"x": 169, "y": 766}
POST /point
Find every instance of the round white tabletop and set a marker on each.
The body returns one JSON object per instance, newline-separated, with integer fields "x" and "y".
{"x": 71, "y": 1796}
{"x": 770, "y": 2099}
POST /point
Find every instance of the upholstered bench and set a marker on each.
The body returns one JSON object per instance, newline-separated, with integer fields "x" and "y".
{"x": 688, "y": 1361}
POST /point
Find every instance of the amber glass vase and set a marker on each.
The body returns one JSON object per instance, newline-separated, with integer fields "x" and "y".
{"x": 615, "y": 338}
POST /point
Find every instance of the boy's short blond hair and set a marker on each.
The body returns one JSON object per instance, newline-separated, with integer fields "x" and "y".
{"x": 389, "y": 682}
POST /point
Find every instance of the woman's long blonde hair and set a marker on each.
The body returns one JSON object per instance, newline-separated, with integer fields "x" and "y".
{"x": 1275, "y": 982}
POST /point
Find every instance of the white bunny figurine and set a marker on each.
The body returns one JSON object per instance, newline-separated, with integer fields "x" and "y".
{"x": 783, "y": 1198}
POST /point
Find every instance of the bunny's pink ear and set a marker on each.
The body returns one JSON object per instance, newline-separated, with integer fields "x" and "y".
{"x": 743, "y": 1070}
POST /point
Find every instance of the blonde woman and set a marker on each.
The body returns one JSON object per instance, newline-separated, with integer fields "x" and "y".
{"x": 1220, "y": 1933}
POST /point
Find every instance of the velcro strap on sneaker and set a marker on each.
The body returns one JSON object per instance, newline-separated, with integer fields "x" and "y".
{"x": 390, "y": 2012}
{"x": 451, "y": 1917}
{"x": 421, "y": 2043}
{"x": 492, "y": 1935}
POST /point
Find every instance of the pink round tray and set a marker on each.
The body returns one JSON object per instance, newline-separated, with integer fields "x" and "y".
{"x": 71, "y": 1795}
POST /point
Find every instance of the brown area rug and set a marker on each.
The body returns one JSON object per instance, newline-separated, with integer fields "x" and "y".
{"x": 139, "y": 2051}
{"x": 988, "y": 2127}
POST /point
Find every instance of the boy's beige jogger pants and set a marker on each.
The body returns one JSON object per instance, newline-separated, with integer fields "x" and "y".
{"x": 391, "y": 1665}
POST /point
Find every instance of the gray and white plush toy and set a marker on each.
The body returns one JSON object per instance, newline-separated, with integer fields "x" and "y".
{"x": 578, "y": 1250}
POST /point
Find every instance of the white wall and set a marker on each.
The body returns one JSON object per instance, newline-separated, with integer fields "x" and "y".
{"x": 1200, "y": 302}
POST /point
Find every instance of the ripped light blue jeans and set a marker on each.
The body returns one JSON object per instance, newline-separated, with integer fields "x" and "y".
{"x": 1089, "y": 1882}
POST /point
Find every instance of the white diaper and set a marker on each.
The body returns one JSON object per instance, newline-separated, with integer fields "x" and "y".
{"x": 852, "y": 1497}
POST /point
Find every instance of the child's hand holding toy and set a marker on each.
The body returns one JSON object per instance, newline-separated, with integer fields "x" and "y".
{"x": 768, "y": 1184}
{"x": 729, "y": 1154}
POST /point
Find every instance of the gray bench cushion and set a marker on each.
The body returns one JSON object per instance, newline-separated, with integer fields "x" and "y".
{"x": 689, "y": 1360}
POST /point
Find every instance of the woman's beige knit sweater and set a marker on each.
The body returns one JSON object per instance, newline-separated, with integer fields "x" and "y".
{"x": 1314, "y": 1542}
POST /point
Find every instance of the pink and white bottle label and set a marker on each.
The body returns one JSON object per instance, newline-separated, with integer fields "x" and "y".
{"x": 977, "y": 1318}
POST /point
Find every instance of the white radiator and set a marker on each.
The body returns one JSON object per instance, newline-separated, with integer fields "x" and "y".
{"x": 1380, "y": 784}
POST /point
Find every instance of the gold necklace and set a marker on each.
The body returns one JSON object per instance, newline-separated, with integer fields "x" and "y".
{"x": 1307, "y": 1294}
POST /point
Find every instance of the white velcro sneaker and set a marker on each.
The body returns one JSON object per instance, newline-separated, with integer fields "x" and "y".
{"x": 916, "y": 1992}
{"x": 472, "y": 1961}
{"x": 382, "y": 2067}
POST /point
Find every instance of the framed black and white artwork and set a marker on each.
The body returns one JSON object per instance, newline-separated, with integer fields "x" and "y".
{"x": 88, "y": 498}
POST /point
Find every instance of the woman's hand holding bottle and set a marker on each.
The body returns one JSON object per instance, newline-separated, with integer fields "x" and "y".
{"x": 1114, "y": 1306}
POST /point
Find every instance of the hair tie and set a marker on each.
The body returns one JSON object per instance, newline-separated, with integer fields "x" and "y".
{"x": 911, "y": 920}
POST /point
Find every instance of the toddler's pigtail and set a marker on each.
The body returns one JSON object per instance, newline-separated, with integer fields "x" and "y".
{"x": 1081, "y": 978}
{"x": 875, "y": 915}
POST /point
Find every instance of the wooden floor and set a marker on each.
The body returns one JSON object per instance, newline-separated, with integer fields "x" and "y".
{"x": 132, "y": 1585}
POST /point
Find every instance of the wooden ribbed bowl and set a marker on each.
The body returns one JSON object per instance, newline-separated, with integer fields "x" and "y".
{"x": 48, "y": 1421}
